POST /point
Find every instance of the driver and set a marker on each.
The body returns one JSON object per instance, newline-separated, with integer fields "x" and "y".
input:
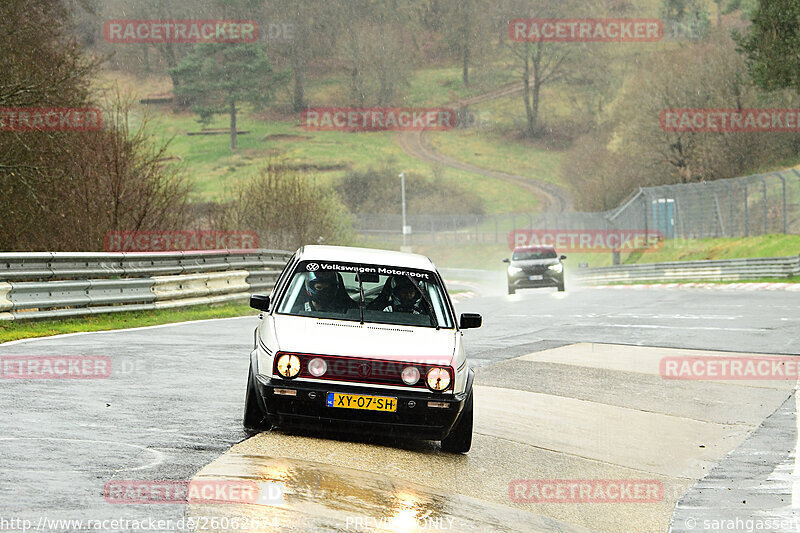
{"x": 405, "y": 296}
{"x": 324, "y": 292}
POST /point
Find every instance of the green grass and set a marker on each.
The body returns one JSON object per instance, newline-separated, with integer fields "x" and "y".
{"x": 490, "y": 150}
{"x": 437, "y": 86}
{"x": 14, "y": 330}
{"x": 725, "y": 248}
{"x": 213, "y": 168}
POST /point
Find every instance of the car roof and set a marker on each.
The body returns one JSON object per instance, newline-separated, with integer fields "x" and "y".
{"x": 538, "y": 248}
{"x": 366, "y": 256}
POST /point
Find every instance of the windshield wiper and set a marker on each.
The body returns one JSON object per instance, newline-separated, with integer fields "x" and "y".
{"x": 427, "y": 301}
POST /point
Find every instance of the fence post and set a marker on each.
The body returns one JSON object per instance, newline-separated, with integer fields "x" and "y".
{"x": 764, "y": 188}
{"x": 718, "y": 210}
{"x": 783, "y": 190}
{"x": 746, "y": 213}
{"x": 670, "y": 229}
{"x": 730, "y": 198}
{"x": 646, "y": 226}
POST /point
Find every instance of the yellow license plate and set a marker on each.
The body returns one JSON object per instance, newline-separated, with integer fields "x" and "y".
{"x": 357, "y": 401}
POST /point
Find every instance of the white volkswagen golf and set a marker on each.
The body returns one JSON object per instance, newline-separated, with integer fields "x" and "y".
{"x": 361, "y": 339}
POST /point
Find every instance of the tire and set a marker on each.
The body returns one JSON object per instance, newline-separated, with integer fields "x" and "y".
{"x": 511, "y": 290}
{"x": 255, "y": 419}
{"x": 460, "y": 438}
{"x": 561, "y": 286}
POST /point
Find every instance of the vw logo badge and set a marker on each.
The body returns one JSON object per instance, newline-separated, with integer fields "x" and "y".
{"x": 312, "y": 267}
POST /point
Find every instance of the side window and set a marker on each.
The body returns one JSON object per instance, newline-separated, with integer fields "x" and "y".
{"x": 283, "y": 278}
{"x": 438, "y": 298}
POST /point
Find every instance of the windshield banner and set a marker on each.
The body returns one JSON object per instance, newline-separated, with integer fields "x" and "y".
{"x": 314, "y": 266}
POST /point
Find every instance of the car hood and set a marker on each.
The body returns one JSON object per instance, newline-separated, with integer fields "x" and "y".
{"x": 535, "y": 262}
{"x": 373, "y": 341}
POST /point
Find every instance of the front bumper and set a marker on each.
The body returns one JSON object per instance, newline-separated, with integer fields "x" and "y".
{"x": 549, "y": 279}
{"x": 419, "y": 421}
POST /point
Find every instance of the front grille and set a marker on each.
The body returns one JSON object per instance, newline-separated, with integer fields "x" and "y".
{"x": 371, "y": 371}
{"x": 535, "y": 269}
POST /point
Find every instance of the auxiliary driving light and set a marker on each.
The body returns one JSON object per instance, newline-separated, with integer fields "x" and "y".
{"x": 410, "y": 375}
{"x": 438, "y": 379}
{"x": 288, "y": 365}
{"x": 317, "y": 367}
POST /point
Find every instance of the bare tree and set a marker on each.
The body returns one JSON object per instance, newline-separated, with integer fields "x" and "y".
{"x": 541, "y": 63}
{"x": 315, "y": 213}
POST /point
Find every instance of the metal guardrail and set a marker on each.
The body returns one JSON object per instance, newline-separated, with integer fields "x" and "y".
{"x": 61, "y": 284}
{"x": 713, "y": 270}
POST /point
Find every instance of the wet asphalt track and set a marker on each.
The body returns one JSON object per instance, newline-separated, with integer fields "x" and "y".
{"x": 173, "y": 403}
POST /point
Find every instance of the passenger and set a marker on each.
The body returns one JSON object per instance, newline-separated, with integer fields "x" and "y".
{"x": 404, "y": 297}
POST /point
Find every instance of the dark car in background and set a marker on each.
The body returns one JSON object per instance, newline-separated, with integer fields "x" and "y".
{"x": 532, "y": 267}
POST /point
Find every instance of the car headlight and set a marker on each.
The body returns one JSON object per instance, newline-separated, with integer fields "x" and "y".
{"x": 556, "y": 268}
{"x": 317, "y": 367}
{"x": 288, "y": 365}
{"x": 513, "y": 271}
{"x": 438, "y": 379}
{"x": 410, "y": 375}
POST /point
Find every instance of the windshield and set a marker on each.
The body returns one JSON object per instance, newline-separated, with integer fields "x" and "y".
{"x": 390, "y": 295}
{"x": 531, "y": 255}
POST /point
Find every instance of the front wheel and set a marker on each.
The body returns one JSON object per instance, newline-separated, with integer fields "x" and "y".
{"x": 561, "y": 286}
{"x": 255, "y": 419}
{"x": 460, "y": 438}
{"x": 511, "y": 290}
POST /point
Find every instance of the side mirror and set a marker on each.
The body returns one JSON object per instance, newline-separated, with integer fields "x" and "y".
{"x": 259, "y": 301}
{"x": 563, "y": 257}
{"x": 470, "y": 321}
{"x": 506, "y": 260}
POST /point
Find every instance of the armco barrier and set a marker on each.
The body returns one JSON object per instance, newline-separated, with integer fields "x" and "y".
{"x": 60, "y": 284}
{"x": 714, "y": 270}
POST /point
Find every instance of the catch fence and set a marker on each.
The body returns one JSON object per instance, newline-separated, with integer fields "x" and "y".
{"x": 739, "y": 207}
